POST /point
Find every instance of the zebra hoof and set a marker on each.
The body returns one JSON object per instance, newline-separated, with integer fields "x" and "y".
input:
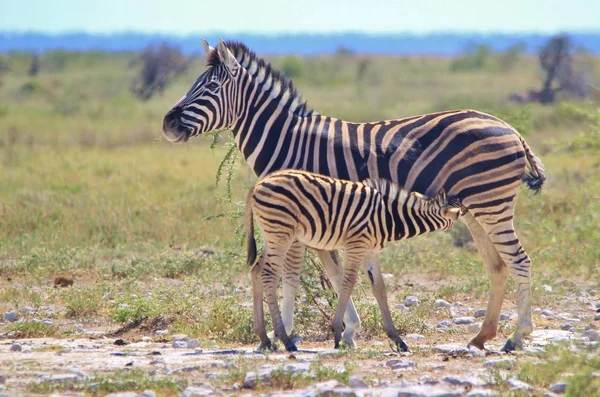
{"x": 401, "y": 346}
{"x": 510, "y": 346}
{"x": 267, "y": 346}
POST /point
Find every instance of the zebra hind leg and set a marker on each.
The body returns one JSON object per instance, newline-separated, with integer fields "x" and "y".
{"x": 373, "y": 270}
{"x": 498, "y": 276}
{"x": 334, "y": 269}
{"x": 291, "y": 280}
{"x": 354, "y": 257}
{"x": 502, "y": 234}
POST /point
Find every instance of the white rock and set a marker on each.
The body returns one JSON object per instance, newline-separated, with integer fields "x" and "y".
{"x": 411, "y": 301}
{"x": 193, "y": 343}
{"x": 3, "y": 379}
{"x": 504, "y": 316}
{"x": 444, "y": 324}
{"x": 481, "y": 393}
{"x": 47, "y": 322}
{"x": 450, "y": 349}
{"x": 441, "y": 304}
{"x": 402, "y": 308}
{"x": 548, "y": 289}
{"x": 414, "y": 336}
{"x": 122, "y": 394}
{"x": 480, "y": 313}
{"x": 537, "y": 310}
{"x": 475, "y": 327}
{"x": 559, "y": 387}
{"x": 547, "y": 313}
{"x": 597, "y": 317}
{"x": 516, "y": 384}
{"x": 592, "y": 335}
{"x": 534, "y": 351}
{"x": 464, "y": 320}
{"x": 198, "y": 391}
{"x": 399, "y": 363}
{"x": 179, "y": 344}
{"x": 147, "y": 393}
{"x": 182, "y": 337}
{"x": 15, "y": 347}
{"x": 423, "y": 390}
{"x": 357, "y": 383}
{"x": 387, "y": 276}
{"x": 504, "y": 363}
{"x": 461, "y": 380}
{"x": 10, "y": 317}
{"x": 160, "y": 332}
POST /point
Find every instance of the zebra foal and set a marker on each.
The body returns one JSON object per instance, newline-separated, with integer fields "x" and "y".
{"x": 327, "y": 213}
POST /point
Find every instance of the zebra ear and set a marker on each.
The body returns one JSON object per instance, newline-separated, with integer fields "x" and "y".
{"x": 226, "y": 57}
{"x": 207, "y": 48}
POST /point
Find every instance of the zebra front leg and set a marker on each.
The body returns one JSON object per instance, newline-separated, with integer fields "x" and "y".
{"x": 257, "y": 306}
{"x": 270, "y": 278}
{"x": 498, "y": 276}
{"x": 373, "y": 270}
{"x": 353, "y": 258}
{"x": 334, "y": 269}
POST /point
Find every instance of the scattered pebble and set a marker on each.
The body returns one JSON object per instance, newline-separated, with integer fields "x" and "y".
{"x": 504, "y": 316}
{"x": 464, "y": 320}
{"x": 592, "y": 335}
{"x": 516, "y": 384}
{"x": 460, "y": 380}
{"x": 147, "y": 393}
{"x": 10, "y": 316}
{"x": 475, "y": 327}
{"x": 444, "y": 324}
{"x": 441, "y": 304}
{"x": 566, "y": 326}
{"x": 387, "y": 276}
{"x": 47, "y": 322}
{"x": 537, "y": 310}
{"x": 534, "y": 351}
{"x": 480, "y": 313}
{"x": 504, "y": 363}
{"x": 15, "y": 347}
{"x": 400, "y": 363}
{"x": 402, "y": 308}
{"x": 357, "y": 383}
{"x": 481, "y": 393}
{"x": 411, "y": 301}
{"x": 559, "y": 387}
{"x": 179, "y": 344}
{"x": 450, "y": 349}
{"x": 548, "y": 289}
{"x": 597, "y": 317}
{"x": 193, "y": 343}
{"x": 414, "y": 336}
{"x": 2, "y": 379}
{"x": 122, "y": 394}
{"x": 161, "y": 332}
{"x": 547, "y": 313}
{"x": 264, "y": 374}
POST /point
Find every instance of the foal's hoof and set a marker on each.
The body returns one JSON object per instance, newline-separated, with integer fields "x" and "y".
{"x": 401, "y": 346}
{"x": 291, "y": 347}
{"x": 510, "y": 346}
{"x": 267, "y": 346}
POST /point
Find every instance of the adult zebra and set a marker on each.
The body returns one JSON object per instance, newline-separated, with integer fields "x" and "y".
{"x": 473, "y": 156}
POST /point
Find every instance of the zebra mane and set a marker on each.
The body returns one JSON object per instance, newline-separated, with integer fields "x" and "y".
{"x": 270, "y": 79}
{"x": 391, "y": 191}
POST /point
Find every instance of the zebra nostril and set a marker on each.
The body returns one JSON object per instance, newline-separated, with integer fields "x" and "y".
{"x": 173, "y": 123}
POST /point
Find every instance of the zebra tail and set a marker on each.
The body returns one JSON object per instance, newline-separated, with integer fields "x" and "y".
{"x": 249, "y": 229}
{"x": 535, "y": 177}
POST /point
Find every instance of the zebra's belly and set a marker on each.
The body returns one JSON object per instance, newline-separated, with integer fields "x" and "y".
{"x": 332, "y": 242}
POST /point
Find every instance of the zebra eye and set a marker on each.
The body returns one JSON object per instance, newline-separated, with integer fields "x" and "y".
{"x": 212, "y": 86}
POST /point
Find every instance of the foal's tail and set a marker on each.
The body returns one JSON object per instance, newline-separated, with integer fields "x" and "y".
{"x": 536, "y": 176}
{"x": 249, "y": 230}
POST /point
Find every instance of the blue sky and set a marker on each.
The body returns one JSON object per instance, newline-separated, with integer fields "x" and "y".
{"x": 279, "y": 16}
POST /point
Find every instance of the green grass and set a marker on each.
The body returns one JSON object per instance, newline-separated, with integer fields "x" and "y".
{"x": 88, "y": 189}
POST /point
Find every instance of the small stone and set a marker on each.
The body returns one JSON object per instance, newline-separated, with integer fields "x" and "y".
{"x": 179, "y": 344}
{"x": 444, "y": 324}
{"x": 2, "y": 379}
{"x": 182, "y": 337}
{"x": 504, "y": 363}
{"x": 357, "y": 383}
{"x": 464, "y": 320}
{"x": 480, "y": 313}
{"x": 559, "y": 387}
{"x": 15, "y": 347}
{"x": 592, "y": 335}
{"x": 516, "y": 384}
{"x": 387, "y": 276}
{"x": 10, "y": 317}
{"x": 475, "y": 327}
{"x": 160, "y": 332}
{"x": 597, "y": 317}
{"x": 122, "y": 394}
{"x": 441, "y": 304}
{"x": 548, "y": 289}
{"x": 475, "y": 352}
{"x": 147, "y": 393}
{"x": 450, "y": 349}
{"x": 566, "y": 326}
{"x": 547, "y": 313}
{"x": 458, "y": 380}
{"x": 80, "y": 330}
{"x": 193, "y": 343}
{"x": 399, "y": 363}
{"x": 198, "y": 391}
{"x": 537, "y": 310}
{"x": 414, "y": 336}
{"x": 534, "y": 351}
{"x": 504, "y": 316}
{"x": 47, "y": 322}
{"x": 402, "y": 308}
{"x": 423, "y": 390}
{"x": 411, "y": 301}
{"x": 481, "y": 393}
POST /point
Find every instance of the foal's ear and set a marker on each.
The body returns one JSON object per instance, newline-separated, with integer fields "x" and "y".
{"x": 226, "y": 57}
{"x": 207, "y": 48}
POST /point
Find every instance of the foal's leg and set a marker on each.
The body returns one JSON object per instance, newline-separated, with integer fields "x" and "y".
{"x": 334, "y": 269}
{"x": 257, "y": 305}
{"x": 274, "y": 258}
{"x": 291, "y": 280}
{"x": 373, "y": 270}
{"x": 353, "y": 259}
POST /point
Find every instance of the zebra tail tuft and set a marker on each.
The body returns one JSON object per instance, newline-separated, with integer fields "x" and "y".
{"x": 249, "y": 229}
{"x": 536, "y": 176}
